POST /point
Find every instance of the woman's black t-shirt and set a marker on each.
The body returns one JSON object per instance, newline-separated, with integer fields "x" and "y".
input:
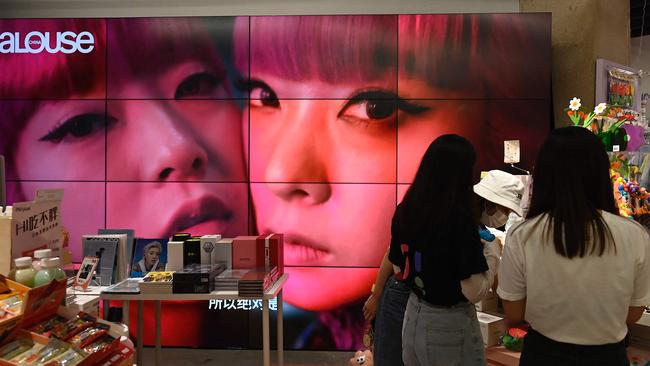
{"x": 434, "y": 262}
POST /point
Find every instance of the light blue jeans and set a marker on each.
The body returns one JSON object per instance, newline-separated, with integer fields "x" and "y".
{"x": 441, "y": 336}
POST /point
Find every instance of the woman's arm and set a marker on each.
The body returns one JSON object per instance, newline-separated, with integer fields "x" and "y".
{"x": 512, "y": 282}
{"x": 385, "y": 271}
{"x": 477, "y": 286}
{"x": 634, "y": 314}
{"x": 515, "y": 312}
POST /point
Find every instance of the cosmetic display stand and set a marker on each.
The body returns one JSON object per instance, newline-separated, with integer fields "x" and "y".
{"x": 274, "y": 291}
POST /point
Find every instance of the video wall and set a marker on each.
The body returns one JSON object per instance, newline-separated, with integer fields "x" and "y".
{"x": 312, "y": 126}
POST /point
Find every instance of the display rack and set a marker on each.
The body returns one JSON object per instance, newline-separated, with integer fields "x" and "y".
{"x": 274, "y": 291}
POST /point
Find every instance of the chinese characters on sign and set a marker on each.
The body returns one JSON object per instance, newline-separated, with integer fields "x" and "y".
{"x": 241, "y": 304}
{"x": 39, "y": 223}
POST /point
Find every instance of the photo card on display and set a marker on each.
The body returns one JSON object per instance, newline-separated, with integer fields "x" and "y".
{"x": 150, "y": 256}
{"x": 104, "y": 248}
{"x": 85, "y": 273}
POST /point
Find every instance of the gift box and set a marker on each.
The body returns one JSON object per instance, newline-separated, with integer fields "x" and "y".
{"x": 196, "y": 278}
{"x": 271, "y": 254}
{"x": 492, "y": 327}
{"x": 208, "y": 249}
{"x": 244, "y": 252}
{"x": 223, "y": 252}
{"x": 174, "y": 256}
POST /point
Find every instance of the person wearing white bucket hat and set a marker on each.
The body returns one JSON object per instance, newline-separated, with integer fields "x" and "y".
{"x": 497, "y": 194}
{"x": 501, "y": 194}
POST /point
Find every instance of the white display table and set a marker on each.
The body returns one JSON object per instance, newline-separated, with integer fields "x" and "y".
{"x": 275, "y": 290}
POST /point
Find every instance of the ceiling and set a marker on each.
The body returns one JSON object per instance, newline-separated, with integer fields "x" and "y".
{"x": 637, "y": 18}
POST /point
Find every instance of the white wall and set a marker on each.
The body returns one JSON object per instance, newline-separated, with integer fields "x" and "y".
{"x": 134, "y": 8}
{"x": 642, "y": 60}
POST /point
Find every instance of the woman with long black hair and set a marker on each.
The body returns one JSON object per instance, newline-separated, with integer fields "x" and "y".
{"x": 436, "y": 245}
{"x": 574, "y": 270}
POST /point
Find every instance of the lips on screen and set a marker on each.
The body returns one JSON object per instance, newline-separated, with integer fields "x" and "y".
{"x": 216, "y": 149}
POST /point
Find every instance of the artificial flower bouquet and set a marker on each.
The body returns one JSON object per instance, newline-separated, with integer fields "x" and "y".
{"x": 604, "y": 121}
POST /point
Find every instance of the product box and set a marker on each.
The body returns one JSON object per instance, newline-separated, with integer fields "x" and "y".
{"x": 228, "y": 280}
{"x": 40, "y": 305}
{"x": 223, "y": 252}
{"x": 492, "y": 327}
{"x": 191, "y": 252}
{"x": 244, "y": 252}
{"x": 255, "y": 282}
{"x": 15, "y": 293}
{"x": 174, "y": 256}
{"x": 87, "y": 303}
{"x": 9, "y": 356}
{"x": 115, "y": 332}
{"x": 208, "y": 245}
{"x": 272, "y": 252}
{"x": 121, "y": 356}
{"x": 489, "y": 304}
{"x": 156, "y": 283}
{"x": 192, "y": 288}
{"x": 197, "y": 273}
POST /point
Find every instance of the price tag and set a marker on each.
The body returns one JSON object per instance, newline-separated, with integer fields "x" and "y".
{"x": 616, "y": 148}
{"x": 511, "y": 151}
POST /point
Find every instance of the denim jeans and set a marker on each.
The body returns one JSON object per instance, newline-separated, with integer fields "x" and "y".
{"x": 441, "y": 336}
{"x": 540, "y": 351}
{"x": 387, "y": 350}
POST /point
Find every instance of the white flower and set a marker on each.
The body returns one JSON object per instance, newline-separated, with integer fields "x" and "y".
{"x": 574, "y": 104}
{"x": 600, "y": 108}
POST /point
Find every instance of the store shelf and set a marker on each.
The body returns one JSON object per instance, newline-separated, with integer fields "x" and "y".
{"x": 215, "y": 295}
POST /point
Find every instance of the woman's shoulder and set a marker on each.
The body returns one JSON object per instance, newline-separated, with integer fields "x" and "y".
{"x": 624, "y": 226}
{"x": 527, "y": 226}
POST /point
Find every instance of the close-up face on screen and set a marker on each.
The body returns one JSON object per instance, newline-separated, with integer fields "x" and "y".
{"x": 310, "y": 126}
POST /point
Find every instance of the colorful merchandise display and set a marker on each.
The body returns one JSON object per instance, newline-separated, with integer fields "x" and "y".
{"x": 633, "y": 199}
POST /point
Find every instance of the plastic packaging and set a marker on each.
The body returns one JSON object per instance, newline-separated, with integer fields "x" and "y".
{"x": 50, "y": 271}
{"x": 28, "y": 357}
{"x": 45, "y": 327}
{"x": 24, "y": 271}
{"x": 89, "y": 335}
{"x": 101, "y": 343}
{"x": 16, "y": 348}
{"x": 39, "y": 255}
{"x": 70, "y": 357}
{"x": 10, "y": 307}
{"x": 73, "y": 326}
{"x": 52, "y": 350}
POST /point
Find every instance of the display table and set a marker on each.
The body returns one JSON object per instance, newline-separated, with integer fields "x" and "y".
{"x": 275, "y": 290}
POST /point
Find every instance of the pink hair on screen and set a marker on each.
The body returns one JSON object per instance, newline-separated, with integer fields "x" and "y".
{"x": 139, "y": 47}
{"x": 333, "y": 49}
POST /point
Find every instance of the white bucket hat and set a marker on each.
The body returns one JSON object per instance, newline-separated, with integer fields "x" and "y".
{"x": 501, "y": 188}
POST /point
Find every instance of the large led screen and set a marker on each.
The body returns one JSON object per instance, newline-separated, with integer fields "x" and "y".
{"x": 312, "y": 126}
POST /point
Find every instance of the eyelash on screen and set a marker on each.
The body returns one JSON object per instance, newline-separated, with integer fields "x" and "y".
{"x": 215, "y": 79}
{"x": 61, "y": 130}
{"x": 377, "y": 94}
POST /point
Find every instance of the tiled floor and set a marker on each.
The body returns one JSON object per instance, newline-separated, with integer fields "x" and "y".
{"x": 182, "y": 356}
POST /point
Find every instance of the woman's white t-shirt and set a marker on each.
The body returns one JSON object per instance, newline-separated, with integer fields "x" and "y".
{"x": 581, "y": 300}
